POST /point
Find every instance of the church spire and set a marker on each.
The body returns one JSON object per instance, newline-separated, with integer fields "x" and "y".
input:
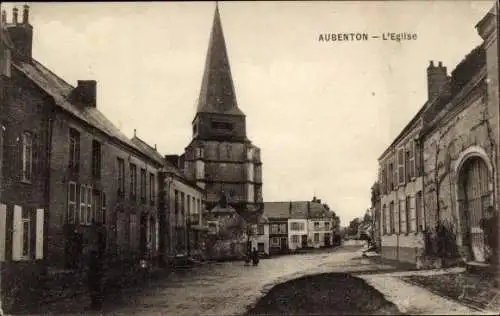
{"x": 217, "y": 90}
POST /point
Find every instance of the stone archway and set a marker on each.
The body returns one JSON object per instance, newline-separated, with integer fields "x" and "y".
{"x": 474, "y": 188}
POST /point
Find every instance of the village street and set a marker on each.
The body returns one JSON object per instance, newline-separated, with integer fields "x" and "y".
{"x": 229, "y": 288}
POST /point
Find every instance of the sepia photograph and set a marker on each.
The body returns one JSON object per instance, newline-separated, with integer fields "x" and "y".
{"x": 250, "y": 158}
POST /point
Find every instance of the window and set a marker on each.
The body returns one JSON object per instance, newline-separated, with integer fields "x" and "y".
{"x": 417, "y": 157}
{"x": 83, "y": 204}
{"x": 419, "y": 210}
{"x": 295, "y": 239}
{"x": 275, "y": 242}
{"x": 402, "y": 216}
{"x": 327, "y": 225}
{"x": 407, "y": 166}
{"x": 96, "y": 159}
{"x": 2, "y": 133}
{"x": 383, "y": 181}
{"x": 401, "y": 166}
{"x": 74, "y": 150}
{"x": 143, "y": 185}
{"x": 188, "y": 204}
{"x": 96, "y": 207}
{"x": 183, "y": 201}
{"x": 194, "y": 205}
{"x": 295, "y": 226}
{"x": 412, "y": 160}
{"x": 316, "y": 225}
{"x": 391, "y": 177}
{"x": 260, "y": 229}
{"x": 391, "y": 217}
{"x": 385, "y": 219}
{"x": 152, "y": 192}
{"x": 103, "y": 209}
{"x": 176, "y": 201}
{"x": 72, "y": 216}
{"x": 88, "y": 216}
{"x": 133, "y": 240}
{"x": 121, "y": 176}
{"x": 316, "y": 237}
{"x": 27, "y": 157}
{"x": 412, "y": 214}
{"x": 274, "y": 228}
{"x": 133, "y": 181}
{"x": 26, "y": 232}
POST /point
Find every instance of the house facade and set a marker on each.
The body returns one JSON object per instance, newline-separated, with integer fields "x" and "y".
{"x": 461, "y": 146}
{"x": 319, "y": 225}
{"x": 452, "y": 175}
{"x": 260, "y": 236}
{"x": 184, "y": 200}
{"x": 24, "y": 156}
{"x": 277, "y": 214}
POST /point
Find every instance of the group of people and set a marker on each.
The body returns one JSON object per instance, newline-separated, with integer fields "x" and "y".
{"x": 252, "y": 256}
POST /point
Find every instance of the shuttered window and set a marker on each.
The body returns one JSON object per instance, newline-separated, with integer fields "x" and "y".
{"x": 401, "y": 166}
{"x": 39, "y": 233}
{"x": 27, "y": 157}
{"x": 83, "y": 204}
{"x": 21, "y": 234}
{"x": 72, "y": 203}
{"x": 3, "y": 230}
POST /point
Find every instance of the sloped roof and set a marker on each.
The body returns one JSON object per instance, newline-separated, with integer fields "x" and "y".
{"x": 148, "y": 150}
{"x": 60, "y": 91}
{"x": 217, "y": 93}
{"x": 299, "y": 209}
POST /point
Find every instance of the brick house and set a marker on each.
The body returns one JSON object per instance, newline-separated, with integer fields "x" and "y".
{"x": 76, "y": 164}
{"x": 442, "y": 166}
{"x": 24, "y": 198}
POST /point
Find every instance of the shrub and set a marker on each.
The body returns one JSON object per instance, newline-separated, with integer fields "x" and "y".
{"x": 441, "y": 242}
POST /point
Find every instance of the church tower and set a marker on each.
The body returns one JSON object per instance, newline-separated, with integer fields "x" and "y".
{"x": 220, "y": 157}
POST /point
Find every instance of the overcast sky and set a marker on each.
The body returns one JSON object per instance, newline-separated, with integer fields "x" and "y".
{"x": 321, "y": 112}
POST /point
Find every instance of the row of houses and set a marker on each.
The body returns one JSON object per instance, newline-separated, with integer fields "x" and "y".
{"x": 443, "y": 166}
{"x": 289, "y": 226}
{"x": 70, "y": 180}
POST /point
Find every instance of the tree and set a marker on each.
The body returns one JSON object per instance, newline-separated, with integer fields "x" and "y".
{"x": 353, "y": 227}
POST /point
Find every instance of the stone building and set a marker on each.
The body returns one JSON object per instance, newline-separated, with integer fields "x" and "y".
{"x": 442, "y": 168}
{"x": 220, "y": 158}
{"x": 184, "y": 203}
{"x": 278, "y": 214}
{"x": 70, "y": 179}
{"x": 461, "y": 146}
{"x": 24, "y": 155}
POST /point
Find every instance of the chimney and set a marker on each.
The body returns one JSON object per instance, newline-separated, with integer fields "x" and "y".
{"x": 437, "y": 77}
{"x": 21, "y": 35}
{"x": 26, "y": 14}
{"x": 308, "y": 209}
{"x": 155, "y": 146}
{"x": 290, "y": 208}
{"x": 173, "y": 159}
{"x": 85, "y": 93}
{"x": 14, "y": 15}
{"x": 135, "y": 132}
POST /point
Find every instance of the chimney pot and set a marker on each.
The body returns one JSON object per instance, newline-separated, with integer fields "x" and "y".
{"x": 26, "y": 13}
{"x": 431, "y": 63}
{"x": 86, "y": 92}
{"x": 135, "y": 132}
{"x": 14, "y": 15}
{"x": 155, "y": 146}
{"x": 440, "y": 64}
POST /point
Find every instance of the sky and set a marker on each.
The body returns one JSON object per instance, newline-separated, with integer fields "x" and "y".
{"x": 321, "y": 112}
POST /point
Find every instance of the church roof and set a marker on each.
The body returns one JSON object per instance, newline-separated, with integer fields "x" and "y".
{"x": 217, "y": 93}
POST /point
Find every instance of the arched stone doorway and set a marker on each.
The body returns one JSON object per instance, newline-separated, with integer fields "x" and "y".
{"x": 474, "y": 196}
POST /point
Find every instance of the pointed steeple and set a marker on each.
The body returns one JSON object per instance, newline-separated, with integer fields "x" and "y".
{"x": 217, "y": 90}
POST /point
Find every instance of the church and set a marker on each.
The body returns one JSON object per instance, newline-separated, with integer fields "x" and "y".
{"x": 220, "y": 158}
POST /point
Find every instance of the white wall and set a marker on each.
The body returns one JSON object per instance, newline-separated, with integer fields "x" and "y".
{"x": 262, "y": 239}
{"x": 295, "y": 244}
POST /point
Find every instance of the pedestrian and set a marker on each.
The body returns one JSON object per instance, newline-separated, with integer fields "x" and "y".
{"x": 255, "y": 257}
{"x": 94, "y": 279}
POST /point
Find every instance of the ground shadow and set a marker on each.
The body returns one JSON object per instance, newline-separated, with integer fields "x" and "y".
{"x": 324, "y": 294}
